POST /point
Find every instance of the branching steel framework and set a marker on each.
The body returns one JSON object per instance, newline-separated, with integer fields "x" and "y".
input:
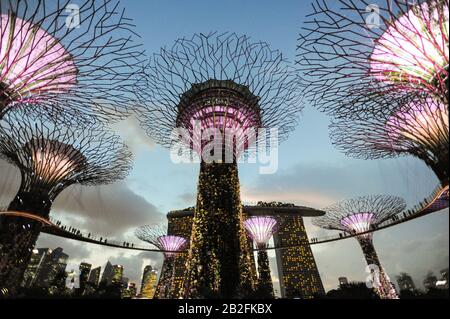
{"x": 157, "y": 236}
{"x": 51, "y": 156}
{"x": 72, "y": 57}
{"x": 354, "y": 52}
{"x": 253, "y": 66}
{"x": 381, "y": 69}
{"x": 362, "y": 214}
{"x": 419, "y": 128}
{"x": 223, "y": 82}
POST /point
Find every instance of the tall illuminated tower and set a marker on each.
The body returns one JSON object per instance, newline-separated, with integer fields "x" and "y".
{"x": 297, "y": 269}
{"x": 51, "y": 156}
{"x": 261, "y": 229}
{"x": 149, "y": 282}
{"x": 207, "y": 87}
{"x": 171, "y": 245}
{"x": 360, "y": 215}
{"x": 67, "y": 57}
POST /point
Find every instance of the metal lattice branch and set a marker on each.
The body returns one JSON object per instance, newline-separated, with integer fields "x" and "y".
{"x": 368, "y": 210}
{"x": 221, "y": 57}
{"x": 51, "y": 155}
{"x": 353, "y": 52}
{"x": 420, "y": 128}
{"x": 80, "y": 57}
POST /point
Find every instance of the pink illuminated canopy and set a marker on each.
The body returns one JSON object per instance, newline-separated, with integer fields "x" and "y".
{"x": 171, "y": 243}
{"x": 226, "y": 120}
{"x": 421, "y": 122}
{"x": 414, "y": 50}
{"x": 359, "y": 222}
{"x": 32, "y": 62}
{"x": 53, "y": 161}
{"x": 260, "y": 228}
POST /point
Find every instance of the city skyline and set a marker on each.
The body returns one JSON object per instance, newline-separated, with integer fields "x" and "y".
{"x": 402, "y": 281}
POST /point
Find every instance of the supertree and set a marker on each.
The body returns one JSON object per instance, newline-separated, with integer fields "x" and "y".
{"x": 419, "y": 128}
{"x": 260, "y": 229}
{"x": 359, "y": 216}
{"x": 171, "y": 245}
{"x": 71, "y": 57}
{"x": 353, "y": 52}
{"x": 222, "y": 85}
{"x": 51, "y": 156}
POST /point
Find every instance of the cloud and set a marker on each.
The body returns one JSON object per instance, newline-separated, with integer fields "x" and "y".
{"x": 187, "y": 198}
{"x": 77, "y": 251}
{"x": 9, "y": 182}
{"x": 133, "y": 135}
{"x": 319, "y": 184}
{"x": 109, "y": 210}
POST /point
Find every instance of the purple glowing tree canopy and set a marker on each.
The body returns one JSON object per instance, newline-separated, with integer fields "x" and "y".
{"x": 32, "y": 62}
{"x": 260, "y": 228}
{"x": 73, "y": 58}
{"x": 221, "y": 82}
{"x": 52, "y": 155}
{"x": 420, "y": 122}
{"x": 220, "y": 109}
{"x": 353, "y": 53}
{"x": 414, "y": 50}
{"x": 359, "y": 215}
{"x": 417, "y": 127}
{"x": 158, "y": 237}
{"x": 171, "y": 243}
{"x": 359, "y": 222}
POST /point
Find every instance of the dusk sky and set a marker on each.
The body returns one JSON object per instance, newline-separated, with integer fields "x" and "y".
{"x": 311, "y": 171}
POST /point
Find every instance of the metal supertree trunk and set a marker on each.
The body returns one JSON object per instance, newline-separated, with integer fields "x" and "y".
{"x": 68, "y": 57}
{"x": 222, "y": 83}
{"x": 170, "y": 244}
{"x": 354, "y": 52}
{"x": 360, "y": 215}
{"x": 381, "y": 282}
{"x": 51, "y": 156}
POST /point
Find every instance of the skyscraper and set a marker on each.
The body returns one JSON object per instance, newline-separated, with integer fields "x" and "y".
{"x": 149, "y": 282}
{"x": 37, "y": 258}
{"x": 117, "y": 275}
{"x": 430, "y": 281}
{"x": 52, "y": 269}
{"x": 107, "y": 274}
{"x": 94, "y": 276}
{"x": 132, "y": 290}
{"x": 180, "y": 224}
{"x": 85, "y": 269}
{"x": 297, "y": 269}
{"x": 405, "y": 282}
